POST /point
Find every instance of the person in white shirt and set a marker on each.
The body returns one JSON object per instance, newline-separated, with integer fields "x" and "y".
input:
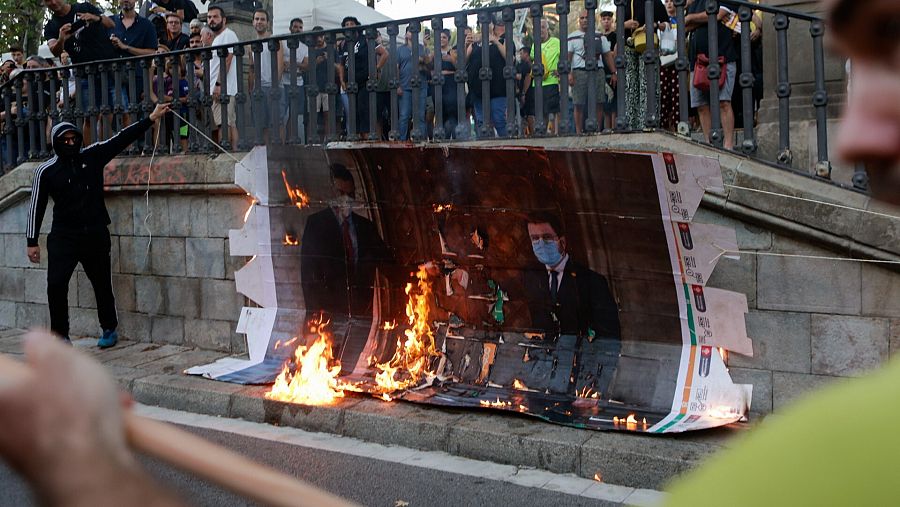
{"x": 261, "y": 105}
{"x": 302, "y": 62}
{"x": 215, "y": 18}
{"x": 578, "y": 78}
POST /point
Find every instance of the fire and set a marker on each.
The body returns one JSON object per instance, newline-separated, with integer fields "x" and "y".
{"x": 630, "y": 422}
{"x": 314, "y": 379}
{"x": 415, "y": 352}
{"x": 296, "y": 194}
{"x": 587, "y": 392}
{"x": 598, "y": 477}
{"x": 389, "y": 325}
{"x": 289, "y": 239}
{"x": 249, "y": 209}
{"x": 724, "y": 354}
{"x": 438, "y": 208}
{"x": 518, "y": 384}
{"x": 498, "y": 403}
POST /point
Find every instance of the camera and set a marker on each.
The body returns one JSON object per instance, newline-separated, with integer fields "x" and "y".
{"x": 78, "y": 24}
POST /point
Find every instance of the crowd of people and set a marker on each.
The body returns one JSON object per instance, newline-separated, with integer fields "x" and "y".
{"x": 278, "y": 104}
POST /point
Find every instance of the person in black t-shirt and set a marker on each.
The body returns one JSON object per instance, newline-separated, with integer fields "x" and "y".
{"x": 696, "y": 20}
{"x": 174, "y": 40}
{"x": 88, "y": 43}
{"x": 497, "y": 85}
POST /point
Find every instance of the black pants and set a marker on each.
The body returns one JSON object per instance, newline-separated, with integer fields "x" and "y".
{"x": 64, "y": 251}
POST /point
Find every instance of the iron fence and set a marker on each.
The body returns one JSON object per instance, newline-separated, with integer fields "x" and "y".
{"x": 304, "y": 106}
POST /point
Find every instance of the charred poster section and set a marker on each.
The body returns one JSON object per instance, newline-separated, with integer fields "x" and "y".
{"x": 568, "y": 285}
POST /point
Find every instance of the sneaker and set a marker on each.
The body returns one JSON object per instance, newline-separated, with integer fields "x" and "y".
{"x": 110, "y": 338}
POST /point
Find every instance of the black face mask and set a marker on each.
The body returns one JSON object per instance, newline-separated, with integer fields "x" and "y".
{"x": 68, "y": 150}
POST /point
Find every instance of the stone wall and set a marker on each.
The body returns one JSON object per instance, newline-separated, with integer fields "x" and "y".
{"x": 173, "y": 276}
{"x": 811, "y": 320}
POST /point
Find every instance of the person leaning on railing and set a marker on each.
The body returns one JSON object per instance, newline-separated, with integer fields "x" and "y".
{"x": 635, "y": 78}
{"x": 696, "y": 21}
{"x": 550, "y": 80}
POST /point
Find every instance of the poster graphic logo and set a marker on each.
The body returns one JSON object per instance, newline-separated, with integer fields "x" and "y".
{"x": 685, "y": 231}
{"x": 699, "y": 299}
{"x": 671, "y": 170}
{"x": 705, "y": 360}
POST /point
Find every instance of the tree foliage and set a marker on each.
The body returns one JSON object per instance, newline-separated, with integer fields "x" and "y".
{"x": 22, "y": 22}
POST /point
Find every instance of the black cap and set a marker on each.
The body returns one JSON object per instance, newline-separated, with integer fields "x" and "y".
{"x": 606, "y": 13}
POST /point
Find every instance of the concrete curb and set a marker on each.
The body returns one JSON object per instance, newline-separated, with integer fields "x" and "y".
{"x": 151, "y": 373}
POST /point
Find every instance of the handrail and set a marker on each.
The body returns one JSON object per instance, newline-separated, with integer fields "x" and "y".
{"x": 370, "y": 105}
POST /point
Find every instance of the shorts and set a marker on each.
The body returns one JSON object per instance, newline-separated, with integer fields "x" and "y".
{"x": 322, "y": 103}
{"x": 579, "y": 91}
{"x": 699, "y": 99}
{"x": 551, "y": 98}
{"x": 611, "y": 104}
{"x": 217, "y": 112}
{"x": 528, "y": 108}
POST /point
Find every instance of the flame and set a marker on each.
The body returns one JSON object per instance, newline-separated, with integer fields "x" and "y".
{"x": 289, "y": 239}
{"x": 314, "y": 380}
{"x": 389, "y": 325}
{"x": 518, "y": 384}
{"x": 724, "y": 354}
{"x": 413, "y": 355}
{"x": 498, "y": 403}
{"x": 523, "y": 408}
{"x": 438, "y": 208}
{"x": 249, "y": 209}
{"x": 630, "y": 422}
{"x": 598, "y": 477}
{"x": 296, "y": 194}
{"x": 587, "y": 392}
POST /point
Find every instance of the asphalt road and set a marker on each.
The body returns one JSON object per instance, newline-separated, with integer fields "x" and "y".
{"x": 367, "y": 481}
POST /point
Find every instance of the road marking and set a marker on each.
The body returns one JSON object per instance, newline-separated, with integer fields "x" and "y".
{"x": 434, "y": 460}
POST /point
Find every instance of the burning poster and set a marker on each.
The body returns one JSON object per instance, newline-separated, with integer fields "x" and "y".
{"x": 568, "y": 285}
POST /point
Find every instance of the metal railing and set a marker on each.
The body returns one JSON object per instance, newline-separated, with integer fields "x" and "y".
{"x": 314, "y": 110}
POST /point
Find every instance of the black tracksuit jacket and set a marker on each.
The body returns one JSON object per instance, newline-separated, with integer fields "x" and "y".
{"x": 75, "y": 183}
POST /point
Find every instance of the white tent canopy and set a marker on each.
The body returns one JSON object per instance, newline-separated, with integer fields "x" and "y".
{"x": 325, "y": 13}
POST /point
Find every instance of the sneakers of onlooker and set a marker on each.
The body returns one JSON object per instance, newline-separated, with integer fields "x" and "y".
{"x": 110, "y": 338}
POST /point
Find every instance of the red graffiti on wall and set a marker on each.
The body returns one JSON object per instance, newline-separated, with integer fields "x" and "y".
{"x": 136, "y": 171}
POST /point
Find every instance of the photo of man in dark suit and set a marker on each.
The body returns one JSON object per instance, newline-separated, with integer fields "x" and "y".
{"x": 566, "y": 297}
{"x": 575, "y": 309}
{"x": 339, "y": 254}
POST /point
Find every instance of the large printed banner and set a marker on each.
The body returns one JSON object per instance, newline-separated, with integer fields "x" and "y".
{"x": 568, "y": 285}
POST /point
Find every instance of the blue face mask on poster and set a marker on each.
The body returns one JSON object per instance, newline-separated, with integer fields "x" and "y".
{"x": 547, "y": 251}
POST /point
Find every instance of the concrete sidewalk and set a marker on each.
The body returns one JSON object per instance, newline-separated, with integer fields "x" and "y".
{"x": 152, "y": 374}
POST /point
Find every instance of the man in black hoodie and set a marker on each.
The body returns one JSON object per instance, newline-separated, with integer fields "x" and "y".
{"x": 73, "y": 178}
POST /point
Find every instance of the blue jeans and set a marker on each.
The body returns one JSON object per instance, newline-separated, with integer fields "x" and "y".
{"x": 405, "y": 105}
{"x": 498, "y": 115}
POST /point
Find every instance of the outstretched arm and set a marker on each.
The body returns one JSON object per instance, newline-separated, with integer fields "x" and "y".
{"x": 104, "y": 151}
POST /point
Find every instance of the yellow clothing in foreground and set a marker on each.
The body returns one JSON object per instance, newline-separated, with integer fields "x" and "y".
{"x": 840, "y": 446}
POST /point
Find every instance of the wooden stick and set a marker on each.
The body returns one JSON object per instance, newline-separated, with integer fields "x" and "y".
{"x": 209, "y": 461}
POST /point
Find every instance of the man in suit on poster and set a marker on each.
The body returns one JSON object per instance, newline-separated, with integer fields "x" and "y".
{"x": 570, "y": 302}
{"x": 340, "y": 251}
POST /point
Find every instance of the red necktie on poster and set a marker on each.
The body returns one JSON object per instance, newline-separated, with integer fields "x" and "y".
{"x": 348, "y": 243}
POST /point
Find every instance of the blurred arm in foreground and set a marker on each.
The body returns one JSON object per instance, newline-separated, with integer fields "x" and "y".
{"x": 63, "y": 430}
